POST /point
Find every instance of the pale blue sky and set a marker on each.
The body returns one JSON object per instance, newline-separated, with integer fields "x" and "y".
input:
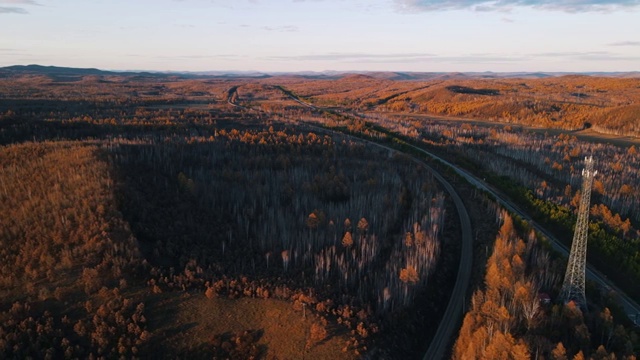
{"x": 299, "y": 35}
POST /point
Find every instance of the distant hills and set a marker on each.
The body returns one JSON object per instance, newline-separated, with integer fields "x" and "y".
{"x": 50, "y": 70}
{"x": 56, "y": 71}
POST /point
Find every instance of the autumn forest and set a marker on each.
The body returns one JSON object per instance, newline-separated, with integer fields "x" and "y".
{"x": 288, "y": 217}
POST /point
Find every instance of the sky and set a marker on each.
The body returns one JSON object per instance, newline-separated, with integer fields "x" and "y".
{"x": 321, "y": 35}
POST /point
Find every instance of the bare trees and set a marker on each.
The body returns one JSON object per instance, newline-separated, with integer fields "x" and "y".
{"x": 286, "y": 199}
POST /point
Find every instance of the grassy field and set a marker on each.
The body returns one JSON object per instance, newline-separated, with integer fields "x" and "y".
{"x": 188, "y": 323}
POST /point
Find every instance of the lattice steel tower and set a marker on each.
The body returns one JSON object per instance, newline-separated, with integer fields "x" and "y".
{"x": 573, "y": 286}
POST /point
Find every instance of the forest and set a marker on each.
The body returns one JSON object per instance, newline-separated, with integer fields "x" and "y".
{"x": 126, "y": 198}
{"x": 605, "y": 104}
{"x": 124, "y": 210}
{"x": 507, "y": 320}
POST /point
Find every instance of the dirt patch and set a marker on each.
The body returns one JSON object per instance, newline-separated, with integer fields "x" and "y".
{"x": 186, "y": 324}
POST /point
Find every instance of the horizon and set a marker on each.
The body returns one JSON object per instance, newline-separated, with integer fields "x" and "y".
{"x": 324, "y": 35}
{"x": 321, "y": 72}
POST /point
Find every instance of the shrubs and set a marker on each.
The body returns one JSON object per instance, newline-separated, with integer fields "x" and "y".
{"x": 241, "y": 345}
{"x": 317, "y": 333}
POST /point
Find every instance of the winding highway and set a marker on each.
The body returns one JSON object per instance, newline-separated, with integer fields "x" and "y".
{"x": 232, "y": 94}
{"x": 631, "y": 307}
{"x": 454, "y": 311}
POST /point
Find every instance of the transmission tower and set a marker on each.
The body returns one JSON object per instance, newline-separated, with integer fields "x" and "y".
{"x": 573, "y": 286}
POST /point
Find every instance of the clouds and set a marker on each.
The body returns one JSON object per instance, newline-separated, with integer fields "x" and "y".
{"x": 15, "y": 9}
{"x": 586, "y": 56}
{"x": 21, "y": 2}
{"x": 398, "y": 58}
{"x": 356, "y": 57}
{"x": 570, "y": 6}
{"x": 12, "y": 10}
{"x": 10, "y": 51}
{"x": 286, "y": 28}
{"x": 277, "y": 28}
{"x": 464, "y": 59}
{"x": 625, "y": 43}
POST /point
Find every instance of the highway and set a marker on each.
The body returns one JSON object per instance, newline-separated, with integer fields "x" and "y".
{"x": 450, "y": 322}
{"x": 631, "y": 307}
{"x": 231, "y": 94}
{"x": 451, "y": 319}
{"x": 453, "y": 313}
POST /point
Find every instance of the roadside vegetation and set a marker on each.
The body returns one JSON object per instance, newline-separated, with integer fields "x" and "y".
{"x": 125, "y": 199}
{"x": 510, "y": 318}
{"x": 542, "y": 174}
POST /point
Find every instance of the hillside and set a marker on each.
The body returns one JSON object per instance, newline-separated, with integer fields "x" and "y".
{"x": 608, "y": 104}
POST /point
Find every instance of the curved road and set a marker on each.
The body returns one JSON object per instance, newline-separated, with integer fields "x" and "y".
{"x": 454, "y": 311}
{"x": 452, "y": 315}
{"x": 631, "y": 307}
{"x": 232, "y": 93}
